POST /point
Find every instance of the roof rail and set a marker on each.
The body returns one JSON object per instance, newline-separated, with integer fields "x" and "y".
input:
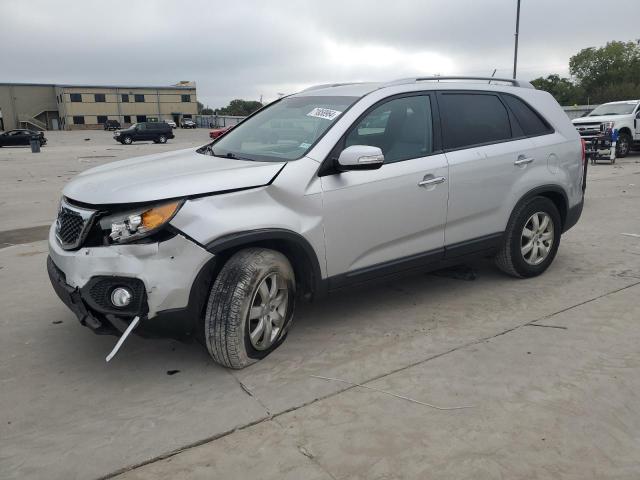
{"x": 512, "y": 81}
{"x": 329, "y": 85}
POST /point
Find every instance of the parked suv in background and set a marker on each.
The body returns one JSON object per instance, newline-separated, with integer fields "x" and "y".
{"x": 158, "y": 132}
{"x": 111, "y": 125}
{"x": 187, "y": 123}
{"x": 222, "y": 241}
{"x": 622, "y": 116}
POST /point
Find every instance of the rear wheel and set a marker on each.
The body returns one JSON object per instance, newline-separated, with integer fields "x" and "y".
{"x": 250, "y": 307}
{"x": 531, "y": 240}
{"x": 162, "y": 139}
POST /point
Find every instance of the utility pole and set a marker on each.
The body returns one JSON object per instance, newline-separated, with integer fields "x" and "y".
{"x": 515, "y": 52}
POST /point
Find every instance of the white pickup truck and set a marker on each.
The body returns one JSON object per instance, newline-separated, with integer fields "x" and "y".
{"x": 622, "y": 116}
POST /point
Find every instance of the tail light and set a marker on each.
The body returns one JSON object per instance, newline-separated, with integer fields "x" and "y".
{"x": 584, "y": 150}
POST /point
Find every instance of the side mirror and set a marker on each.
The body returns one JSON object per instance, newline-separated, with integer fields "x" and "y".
{"x": 360, "y": 157}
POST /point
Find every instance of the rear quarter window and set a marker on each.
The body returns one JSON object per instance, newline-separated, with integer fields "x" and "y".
{"x": 531, "y": 121}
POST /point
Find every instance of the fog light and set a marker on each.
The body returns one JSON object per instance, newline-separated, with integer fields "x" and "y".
{"x": 121, "y": 297}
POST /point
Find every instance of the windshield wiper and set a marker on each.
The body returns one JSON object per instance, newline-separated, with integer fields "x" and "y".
{"x": 236, "y": 157}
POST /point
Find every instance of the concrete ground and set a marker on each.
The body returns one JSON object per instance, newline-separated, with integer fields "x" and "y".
{"x": 550, "y": 367}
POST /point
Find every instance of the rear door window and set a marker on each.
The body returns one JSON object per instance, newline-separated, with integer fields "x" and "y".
{"x": 531, "y": 122}
{"x": 473, "y": 118}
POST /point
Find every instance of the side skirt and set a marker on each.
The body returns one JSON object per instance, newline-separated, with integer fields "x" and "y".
{"x": 427, "y": 261}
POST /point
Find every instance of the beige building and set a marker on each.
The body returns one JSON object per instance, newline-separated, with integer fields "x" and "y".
{"x": 69, "y": 107}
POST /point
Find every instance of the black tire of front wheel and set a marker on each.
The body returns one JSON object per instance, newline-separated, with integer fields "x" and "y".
{"x": 624, "y": 141}
{"x": 510, "y": 259}
{"x": 226, "y": 317}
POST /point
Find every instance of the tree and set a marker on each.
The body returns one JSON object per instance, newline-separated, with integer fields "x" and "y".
{"x": 563, "y": 89}
{"x": 608, "y": 73}
{"x": 240, "y": 108}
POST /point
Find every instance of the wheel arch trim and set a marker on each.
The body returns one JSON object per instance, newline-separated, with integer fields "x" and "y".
{"x": 297, "y": 248}
{"x": 551, "y": 192}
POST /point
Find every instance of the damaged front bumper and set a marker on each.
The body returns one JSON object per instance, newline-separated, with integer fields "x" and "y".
{"x": 167, "y": 281}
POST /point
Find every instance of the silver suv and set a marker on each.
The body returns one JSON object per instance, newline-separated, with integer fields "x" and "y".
{"x": 330, "y": 187}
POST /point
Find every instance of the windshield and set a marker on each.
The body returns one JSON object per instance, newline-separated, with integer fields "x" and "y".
{"x": 286, "y": 130}
{"x": 614, "y": 109}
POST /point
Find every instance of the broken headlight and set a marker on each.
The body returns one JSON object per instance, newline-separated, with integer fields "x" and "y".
{"x": 138, "y": 223}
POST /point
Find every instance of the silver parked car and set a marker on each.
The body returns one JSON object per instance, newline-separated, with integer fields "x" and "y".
{"x": 327, "y": 188}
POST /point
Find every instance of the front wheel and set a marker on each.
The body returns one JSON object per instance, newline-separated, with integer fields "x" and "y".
{"x": 250, "y": 307}
{"x": 531, "y": 240}
{"x": 623, "y": 145}
{"x": 127, "y": 140}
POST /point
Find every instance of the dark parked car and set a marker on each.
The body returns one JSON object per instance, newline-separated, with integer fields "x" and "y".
{"x": 112, "y": 125}
{"x": 20, "y": 137}
{"x": 159, "y": 132}
{"x": 187, "y": 123}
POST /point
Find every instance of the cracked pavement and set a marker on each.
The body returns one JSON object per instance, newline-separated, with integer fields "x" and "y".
{"x": 552, "y": 402}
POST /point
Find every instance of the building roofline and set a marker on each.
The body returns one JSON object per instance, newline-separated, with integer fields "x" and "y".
{"x": 27, "y": 84}
{"x": 80, "y": 85}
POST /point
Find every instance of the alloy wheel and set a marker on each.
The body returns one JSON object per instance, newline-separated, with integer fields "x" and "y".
{"x": 268, "y": 311}
{"x": 537, "y": 238}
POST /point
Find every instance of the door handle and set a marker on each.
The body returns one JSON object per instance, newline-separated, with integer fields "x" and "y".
{"x": 522, "y": 160}
{"x": 432, "y": 181}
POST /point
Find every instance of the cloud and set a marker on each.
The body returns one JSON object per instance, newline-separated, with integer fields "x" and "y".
{"x": 253, "y": 48}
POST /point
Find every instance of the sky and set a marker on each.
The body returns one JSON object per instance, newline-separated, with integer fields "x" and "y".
{"x": 254, "y": 49}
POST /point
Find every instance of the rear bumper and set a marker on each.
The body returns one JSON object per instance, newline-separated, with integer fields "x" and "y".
{"x": 573, "y": 215}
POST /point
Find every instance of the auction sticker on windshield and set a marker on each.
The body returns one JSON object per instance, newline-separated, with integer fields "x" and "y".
{"x": 325, "y": 113}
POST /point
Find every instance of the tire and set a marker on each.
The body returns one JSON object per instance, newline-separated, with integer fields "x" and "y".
{"x": 623, "y": 146}
{"x": 237, "y": 307}
{"x": 162, "y": 139}
{"x": 127, "y": 140}
{"x": 511, "y": 259}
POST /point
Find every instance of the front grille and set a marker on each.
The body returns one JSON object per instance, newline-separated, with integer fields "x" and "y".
{"x": 589, "y": 129}
{"x": 72, "y": 225}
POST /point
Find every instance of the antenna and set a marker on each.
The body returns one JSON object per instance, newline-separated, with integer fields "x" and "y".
{"x": 493, "y": 74}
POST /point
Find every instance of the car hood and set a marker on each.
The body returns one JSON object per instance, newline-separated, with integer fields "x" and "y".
{"x": 174, "y": 174}
{"x": 602, "y": 118}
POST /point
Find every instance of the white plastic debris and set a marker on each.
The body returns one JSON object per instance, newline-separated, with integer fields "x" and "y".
{"x": 132, "y": 325}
